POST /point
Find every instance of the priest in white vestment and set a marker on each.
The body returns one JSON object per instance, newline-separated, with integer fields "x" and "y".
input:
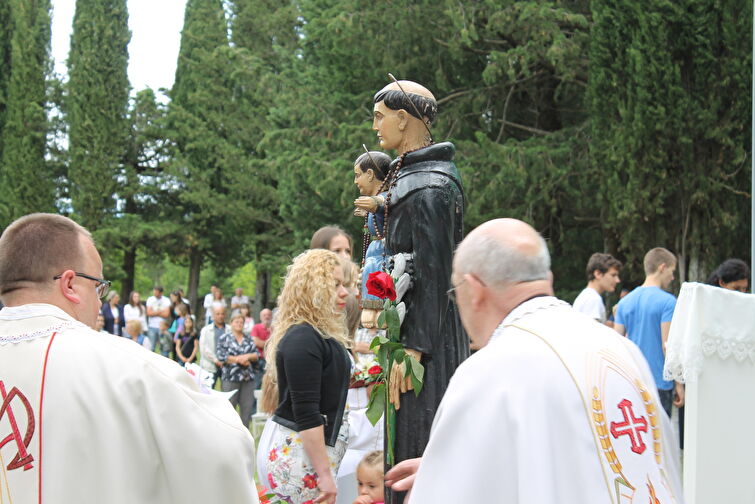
{"x": 554, "y": 408}
{"x": 88, "y": 417}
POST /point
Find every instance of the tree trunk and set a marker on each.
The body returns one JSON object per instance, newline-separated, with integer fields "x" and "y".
{"x": 129, "y": 267}
{"x": 262, "y": 292}
{"x": 195, "y": 264}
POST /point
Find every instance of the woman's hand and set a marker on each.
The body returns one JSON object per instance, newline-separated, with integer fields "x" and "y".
{"x": 367, "y": 203}
{"x": 327, "y": 488}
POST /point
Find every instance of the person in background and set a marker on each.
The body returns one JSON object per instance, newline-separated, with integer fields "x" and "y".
{"x": 602, "y": 276}
{"x": 100, "y": 324}
{"x": 115, "y": 321}
{"x": 260, "y": 335}
{"x": 246, "y": 312}
{"x": 135, "y": 310}
{"x": 238, "y": 354}
{"x": 239, "y": 299}
{"x": 208, "y": 338}
{"x": 334, "y": 239}
{"x": 158, "y": 310}
{"x": 186, "y": 343}
{"x": 165, "y": 339}
{"x": 134, "y": 333}
{"x": 207, "y": 303}
{"x": 732, "y": 274}
{"x": 644, "y": 316}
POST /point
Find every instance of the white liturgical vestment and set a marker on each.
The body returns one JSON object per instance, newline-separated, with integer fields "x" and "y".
{"x": 88, "y": 417}
{"x": 554, "y": 409}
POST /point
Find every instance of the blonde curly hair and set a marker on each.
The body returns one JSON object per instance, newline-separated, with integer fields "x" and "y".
{"x": 308, "y": 296}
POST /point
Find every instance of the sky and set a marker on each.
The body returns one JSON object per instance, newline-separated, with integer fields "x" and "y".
{"x": 155, "y": 39}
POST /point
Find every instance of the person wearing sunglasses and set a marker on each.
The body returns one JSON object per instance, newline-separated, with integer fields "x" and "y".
{"x": 107, "y": 413}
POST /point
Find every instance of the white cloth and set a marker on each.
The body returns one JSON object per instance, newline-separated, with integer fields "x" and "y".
{"x": 112, "y": 423}
{"x": 591, "y": 304}
{"x": 134, "y": 313}
{"x": 535, "y": 417}
{"x": 157, "y": 304}
{"x": 709, "y": 321}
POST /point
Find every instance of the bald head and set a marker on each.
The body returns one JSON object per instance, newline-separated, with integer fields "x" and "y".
{"x": 409, "y": 87}
{"x": 503, "y": 251}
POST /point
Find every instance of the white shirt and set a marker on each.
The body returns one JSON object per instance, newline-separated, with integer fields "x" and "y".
{"x": 157, "y": 304}
{"x": 134, "y": 313}
{"x": 117, "y": 424}
{"x": 591, "y": 304}
{"x": 520, "y": 420}
{"x": 239, "y": 300}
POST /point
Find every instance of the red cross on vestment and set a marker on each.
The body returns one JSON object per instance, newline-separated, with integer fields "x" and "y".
{"x": 631, "y": 426}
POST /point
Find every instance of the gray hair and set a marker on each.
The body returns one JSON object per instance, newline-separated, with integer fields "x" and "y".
{"x": 498, "y": 263}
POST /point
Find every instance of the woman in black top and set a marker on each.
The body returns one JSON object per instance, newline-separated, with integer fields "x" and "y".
{"x": 307, "y": 354}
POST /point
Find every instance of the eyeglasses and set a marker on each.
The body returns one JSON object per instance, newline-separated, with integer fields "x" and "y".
{"x": 103, "y": 286}
{"x": 451, "y": 293}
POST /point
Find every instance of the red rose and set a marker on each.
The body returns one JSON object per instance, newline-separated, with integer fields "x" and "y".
{"x": 310, "y": 480}
{"x": 380, "y": 284}
{"x": 375, "y": 370}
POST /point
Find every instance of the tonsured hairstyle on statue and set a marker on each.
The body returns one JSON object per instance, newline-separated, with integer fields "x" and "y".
{"x": 378, "y": 162}
{"x": 323, "y": 236}
{"x": 498, "y": 263}
{"x": 601, "y": 262}
{"x": 397, "y": 100}
{"x": 36, "y": 247}
{"x": 308, "y": 296}
{"x": 655, "y": 257}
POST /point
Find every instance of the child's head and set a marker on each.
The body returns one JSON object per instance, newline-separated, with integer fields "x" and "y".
{"x": 370, "y": 476}
{"x": 164, "y": 325}
{"x": 133, "y": 328}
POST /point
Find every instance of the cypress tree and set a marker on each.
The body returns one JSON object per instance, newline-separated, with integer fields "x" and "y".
{"x": 97, "y": 106}
{"x": 669, "y": 102}
{"x": 210, "y": 167}
{"x": 26, "y": 178}
{"x": 5, "y": 36}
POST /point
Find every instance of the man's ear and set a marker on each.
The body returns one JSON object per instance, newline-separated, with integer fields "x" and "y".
{"x": 403, "y": 119}
{"x": 67, "y": 288}
{"x": 597, "y": 274}
{"x": 477, "y": 291}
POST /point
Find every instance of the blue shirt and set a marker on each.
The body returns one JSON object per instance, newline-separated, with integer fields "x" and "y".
{"x": 641, "y": 312}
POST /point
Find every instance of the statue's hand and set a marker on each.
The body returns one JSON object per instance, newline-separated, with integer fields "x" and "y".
{"x": 367, "y": 203}
{"x": 360, "y": 212}
{"x": 401, "y": 263}
{"x": 403, "y": 284}
{"x": 399, "y": 384}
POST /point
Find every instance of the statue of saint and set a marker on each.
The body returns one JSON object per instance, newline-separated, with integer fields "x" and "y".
{"x": 370, "y": 170}
{"x": 423, "y": 212}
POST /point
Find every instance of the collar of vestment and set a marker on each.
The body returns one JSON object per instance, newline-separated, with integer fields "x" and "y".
{"x": 33, "y": 320}
{"x": 528, "y": 307}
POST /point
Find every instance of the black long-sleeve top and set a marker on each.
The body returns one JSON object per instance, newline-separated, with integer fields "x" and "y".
{"x": 313, "y": 379}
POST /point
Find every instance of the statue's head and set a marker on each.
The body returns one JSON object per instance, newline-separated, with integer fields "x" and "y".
{"x": 402, "y": 115}
{"x": 370, "y": 170}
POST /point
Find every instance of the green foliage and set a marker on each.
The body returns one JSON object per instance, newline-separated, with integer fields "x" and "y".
{"x": 670, "y": 101}
{"x": 97, "y": 106}
{"x": 23, "y": 125}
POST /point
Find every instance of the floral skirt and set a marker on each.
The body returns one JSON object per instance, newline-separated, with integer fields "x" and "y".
{"x": 290, "y": 475}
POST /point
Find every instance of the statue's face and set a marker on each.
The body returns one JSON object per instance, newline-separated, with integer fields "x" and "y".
{"x": 364, "y": 181}
{"x": 386, "y": 122}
